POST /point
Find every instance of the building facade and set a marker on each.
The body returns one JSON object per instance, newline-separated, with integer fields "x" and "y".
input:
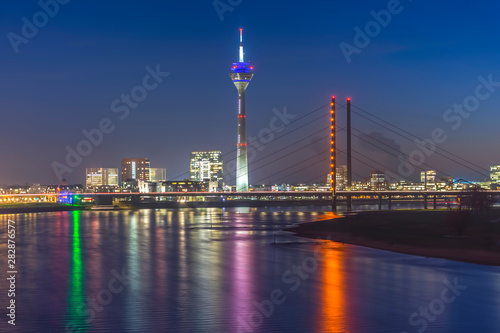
{"x": 341, "y": 177}
{"x": 428, "y": 178}
{"x": 135, "y": 168}
{"x": 183, "y": 186}
{"x": 101, "y": 177}
{"x": 207, "y": 166}
{"x": 495, "y": 173}
{"x": 377, "y": 181}
{"x": 157, "y": 174}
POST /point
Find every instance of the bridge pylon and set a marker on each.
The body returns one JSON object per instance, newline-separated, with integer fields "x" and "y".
{"x": 333, "y": 153}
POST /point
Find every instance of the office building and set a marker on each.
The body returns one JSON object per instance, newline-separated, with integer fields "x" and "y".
{"x": 428, "y": 178}
{"x": 183, "y": 186}
{"x": 157, "y": 174}
{"x": 101, "y": 177}
{"x": 377, "y": 181}
{"x": 206, "y": 166}
{"x": 135, "y": 168}
{"x": 341, "y": 177}
{"x": 495, "y": 173}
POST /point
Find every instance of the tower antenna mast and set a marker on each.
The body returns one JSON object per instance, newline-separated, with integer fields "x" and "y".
{"x": 241, "y": 45}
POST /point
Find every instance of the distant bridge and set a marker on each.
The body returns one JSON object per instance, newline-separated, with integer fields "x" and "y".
{"x": 261, "y": 194}
{"x": 275, "y": 198}
{"x": 262, "y": 198}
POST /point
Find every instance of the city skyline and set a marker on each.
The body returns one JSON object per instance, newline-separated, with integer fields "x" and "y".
{"x": 206, "y": 167}
{"x": 355, "y": 187}
{"x": 85, "y": 72}
{"x": 97, "y": 174}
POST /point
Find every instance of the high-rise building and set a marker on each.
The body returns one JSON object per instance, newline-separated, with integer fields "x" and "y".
{"x": 495, "y": 173}
{"x": 377, "y": 181}
{"x": 341, "y": 177}
{"x": 241, "y": 74}
{"x": 101, "y": 177}
{"x": 206, "y": 166}
{"x": 135, "y": 168}
{"x": 157, "y": 174}
{"x": 428, "y": 177}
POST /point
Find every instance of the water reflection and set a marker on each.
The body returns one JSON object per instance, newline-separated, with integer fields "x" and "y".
{"x": 77, "y": 321}
{"x": 332, "y": 318}
{"x": 204, "y": 270}
{"x": 242, "y": 286}
{"x": 134, "y": 308}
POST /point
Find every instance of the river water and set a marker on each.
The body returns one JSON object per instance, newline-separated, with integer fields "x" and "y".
{"x": 228, "y": 270}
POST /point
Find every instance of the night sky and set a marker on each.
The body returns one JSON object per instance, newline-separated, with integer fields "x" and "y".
{"x": 65, "y": 78}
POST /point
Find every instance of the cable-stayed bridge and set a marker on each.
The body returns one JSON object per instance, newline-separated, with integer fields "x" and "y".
{"x": 308, "y": 150}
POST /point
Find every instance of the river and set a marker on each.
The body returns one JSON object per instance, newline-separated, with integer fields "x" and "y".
{"x": 228, "y": 270}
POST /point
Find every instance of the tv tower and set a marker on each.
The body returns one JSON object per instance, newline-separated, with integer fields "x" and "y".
{"x": 241, "y": 74}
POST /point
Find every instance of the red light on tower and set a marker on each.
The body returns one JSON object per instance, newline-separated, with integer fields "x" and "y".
{"x": 333, "y": 181}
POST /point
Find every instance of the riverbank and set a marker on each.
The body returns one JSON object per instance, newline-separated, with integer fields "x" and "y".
{"x": 38, "y": 208}
{"x": 423, "y": 233}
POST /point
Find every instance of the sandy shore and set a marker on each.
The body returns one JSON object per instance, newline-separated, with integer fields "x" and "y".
{"x": 420, "y": 233}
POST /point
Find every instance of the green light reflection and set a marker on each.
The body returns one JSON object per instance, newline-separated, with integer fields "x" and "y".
{"x": 76, "y": 298}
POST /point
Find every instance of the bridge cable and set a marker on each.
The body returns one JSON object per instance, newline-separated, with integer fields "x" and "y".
{"x": 447, "y": 157}
{"x": 275, "y": 131}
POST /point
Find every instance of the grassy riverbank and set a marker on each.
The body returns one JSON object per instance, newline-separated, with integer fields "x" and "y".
{"x": 424, "y": 233}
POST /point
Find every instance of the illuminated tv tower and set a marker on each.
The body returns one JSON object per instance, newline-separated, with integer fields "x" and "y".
{"x": 241, "y": 74}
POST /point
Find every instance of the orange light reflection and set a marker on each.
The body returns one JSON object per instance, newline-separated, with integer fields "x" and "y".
{"x": 333, "y": 313}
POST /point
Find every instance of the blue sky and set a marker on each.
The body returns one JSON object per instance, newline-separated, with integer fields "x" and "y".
{"x": 64, "y": 79}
